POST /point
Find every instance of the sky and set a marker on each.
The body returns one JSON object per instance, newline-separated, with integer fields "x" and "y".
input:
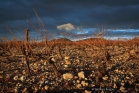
{"x": 72, "y": 19}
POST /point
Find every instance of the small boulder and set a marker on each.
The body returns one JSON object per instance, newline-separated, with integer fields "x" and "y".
{"x": 81, "y": 75}
{"x": 66, "y": 57}
{"x": 68, "y": 76}
{"x": 16, "y": 78}
{"x": 46, "y": 87}
{"x": 87, "y": 91}
{"x": 133, "y": 53}
{"x": 105, "y": 77}
{"x": 84, "y": 83}
{"x": 122, "y": 89}
{"x": 1, "y": 77}
{"x": 78, "y": 86}
{"x": 24, "y": 90}
{"x": 22, "y": 78}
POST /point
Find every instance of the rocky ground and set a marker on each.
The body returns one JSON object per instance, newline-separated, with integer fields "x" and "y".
{"x": 81, "y": 70}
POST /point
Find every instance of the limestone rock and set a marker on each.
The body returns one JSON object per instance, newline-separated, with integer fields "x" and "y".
{"x": 1, "y": 77}
{"x": 114, "y": 86}
{"x": 67, "y": 60}
{"x": 122, "y": 89}
{"x": 133, "y": 53}
{"x": 84, "y": 83}
{"x": 46, "y": 87}
{"x": 68, "y": 76}
{"x": 22, "y": 78}
{"x": 105, "y": 77}
{"x": 79, "y": 86}
{"x": 24, "y": 90}
{"x": 15, "y": 78}
{"x": 87, "y": 91}
{"x": 81, "y": 75}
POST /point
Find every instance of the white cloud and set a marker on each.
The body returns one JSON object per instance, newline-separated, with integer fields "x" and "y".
{"x": 66, "y": 27}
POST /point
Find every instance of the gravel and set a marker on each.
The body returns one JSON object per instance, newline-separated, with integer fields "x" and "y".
{"x": 79, "y": 72}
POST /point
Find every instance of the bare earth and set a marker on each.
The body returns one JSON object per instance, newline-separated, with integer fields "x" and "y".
{"x": 81, "y": 70}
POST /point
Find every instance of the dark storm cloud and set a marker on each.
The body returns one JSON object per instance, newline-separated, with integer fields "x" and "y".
{"x": 86, "y": 13}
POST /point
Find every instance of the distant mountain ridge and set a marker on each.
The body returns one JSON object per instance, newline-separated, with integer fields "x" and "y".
{"x": 62, "y": 40}
{"x": 68, "y": 40}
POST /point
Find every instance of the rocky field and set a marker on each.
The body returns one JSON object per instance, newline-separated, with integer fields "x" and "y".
{"x": 74, "y": 69}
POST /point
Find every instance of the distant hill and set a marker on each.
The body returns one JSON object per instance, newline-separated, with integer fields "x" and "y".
{"x": 90, "y": 39}
{"x": 65, "y": 40}
{"x": 61, "y": 40}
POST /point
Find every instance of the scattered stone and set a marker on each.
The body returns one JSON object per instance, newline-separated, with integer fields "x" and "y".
{"x": 24, "y": 90}
{"x": 79, "y": 86}
{"x": 1, "y": 77}
{"x": 88, "y": 71}
{"x": 87, "y": 91}
{"x": 122, "y": 83}
{"x": 114, "y": 86}
{"x": 67, "y": 58}
{"x": 66, "y": 66}
{"x": 16, "y": 78}
{"x": 68, "y": 76}
{"x": 67, "y": 62}
{"x": 1, "y": 72}
{"x": 78, "y": 81}
{"x": 75, "y": 77}
{"x": 24, "y": 72}
{"x": 46, "y": 87}
{"x": 127, "y": 77}
{"x": 84, "y": 83}
{"x": 81, "y": 75}
{"x": 122, "y": 89}
{"x": 133, "y": 53}
{"x": 105, "y": 77}
{"x": 22, "y": 78}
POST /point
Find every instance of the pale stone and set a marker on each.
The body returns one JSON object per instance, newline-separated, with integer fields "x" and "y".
{"x": 22, "y": 78}
{"x": 67, "y": 62}
{"x": 114, "y": 86}
{"x": 1, "y": 77}
{"x": 105, "y": 77}
{"x": 122, "y": 83}
{"x": 93, "y": 84}
{"x": 24, "y": 90}
{"x": 131, "y": 74}
{"x": 77, "y": 60}
{"x": 66, "y": 66}
{"x": 102, "y": 91}
{"x": 45, "y": 63}
{"x": 15, "y": 77}
{"x": 132, "y": 52}
{"x": 15, "y": 90}
{"x": 122, "y": 89}
{"x": 87, "y": 91}
{"x": 67, "y": 57}
{"x": 84, "y": 83}
{"x": 78, "y": 81}
{"x": 116, "y": 70}
{"x": 79, "y": 86}
{"x": 127, "y": 77}
{"x": 81, "y": 75}
{"x": 75, "y": 77}
{"x": 68, "y": 76}
{"x": 1, "y": 72}
{"x": 23, "y": 72}
{"x": 46, "y": 87}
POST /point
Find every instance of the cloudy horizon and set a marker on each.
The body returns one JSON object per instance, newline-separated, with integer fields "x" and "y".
{"x": 72, "y": 19}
